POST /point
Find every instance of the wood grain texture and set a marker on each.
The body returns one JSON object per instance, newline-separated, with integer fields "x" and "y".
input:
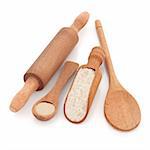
{"x": 50, "y": 59}
{"x": 94, "y": 61}
{"x": 121, "y": 109}
{"x": 52, "y": 97}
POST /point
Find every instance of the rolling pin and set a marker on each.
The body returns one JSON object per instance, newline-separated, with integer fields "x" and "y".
{"x": 49, "y": 61}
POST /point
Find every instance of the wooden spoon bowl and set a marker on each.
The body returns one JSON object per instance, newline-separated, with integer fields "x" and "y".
{"x": 121, "y": 110}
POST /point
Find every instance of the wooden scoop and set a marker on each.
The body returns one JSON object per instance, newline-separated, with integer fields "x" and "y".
{"x": 84, "y": 87}
{"x": 121, "y": 109}
{"x": 46, "y": 108}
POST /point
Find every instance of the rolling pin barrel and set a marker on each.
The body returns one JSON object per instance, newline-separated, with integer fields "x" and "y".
{"x": 53, "y": 56}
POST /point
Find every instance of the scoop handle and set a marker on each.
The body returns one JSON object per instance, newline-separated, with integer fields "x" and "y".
{"x": 95, "y": 58}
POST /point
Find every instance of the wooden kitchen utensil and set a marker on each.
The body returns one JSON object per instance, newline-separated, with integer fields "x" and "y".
{"x": 121, "y": 109}
{"x": 84, "y": 87}
{"x": 49, "y": 61}
{"x": 46, "y": 108}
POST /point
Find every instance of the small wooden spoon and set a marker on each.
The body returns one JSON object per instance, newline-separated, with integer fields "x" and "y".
{"x": 46, "y": 108}
{"x": 121, "y": 109}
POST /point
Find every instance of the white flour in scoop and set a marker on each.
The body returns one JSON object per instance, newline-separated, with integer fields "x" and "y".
{"x": 77, "y": 100}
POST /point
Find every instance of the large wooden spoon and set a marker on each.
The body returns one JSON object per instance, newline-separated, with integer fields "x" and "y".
{"x": 121, "y": 109}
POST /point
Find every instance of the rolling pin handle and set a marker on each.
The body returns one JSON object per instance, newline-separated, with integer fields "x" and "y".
{"x": 80, "y": 21}
{"x": 23, "y": 95}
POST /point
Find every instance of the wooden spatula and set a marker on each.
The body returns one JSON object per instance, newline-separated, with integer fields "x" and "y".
{"x": 121, "y": 109}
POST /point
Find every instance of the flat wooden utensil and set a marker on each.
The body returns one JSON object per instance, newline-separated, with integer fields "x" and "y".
{"x": 46, "y": 108}
{"x": 121, "y": 109}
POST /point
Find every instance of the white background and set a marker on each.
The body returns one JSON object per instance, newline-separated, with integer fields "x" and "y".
{"x": 26, "y": 27}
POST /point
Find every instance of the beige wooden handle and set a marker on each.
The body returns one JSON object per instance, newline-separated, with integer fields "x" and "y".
{"x": 80, "y": 21}
{"x": 95, "y": 58}
{"x": 68, "y": 70}
{"x": 103, "y": 42}
{"x": 23, "y": 95}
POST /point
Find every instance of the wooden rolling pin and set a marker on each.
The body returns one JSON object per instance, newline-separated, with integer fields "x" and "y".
{"x": 49, "y": 61}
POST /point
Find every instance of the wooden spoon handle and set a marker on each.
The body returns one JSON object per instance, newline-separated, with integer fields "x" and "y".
{"x": 68, "y": 70}
{"x": 102, "y": 39}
